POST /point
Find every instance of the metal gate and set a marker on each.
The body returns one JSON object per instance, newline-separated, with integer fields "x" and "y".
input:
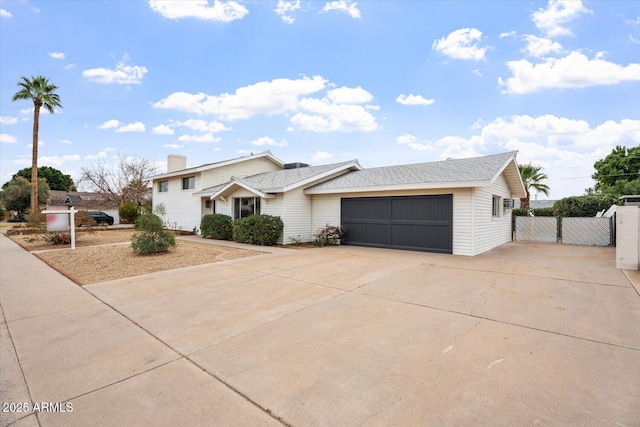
{"x": 589, "y": 231}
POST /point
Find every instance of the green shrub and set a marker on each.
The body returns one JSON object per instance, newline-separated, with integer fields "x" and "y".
{"x": 578, "y": 206}
{"x": 152, "y": 237}
{"x": 536, "y": 212}
{"x": 258, "y": 229}
{"x": 216, "y": 226}
{"x": 128, "y": 213}
{"x": 330, "y": 235}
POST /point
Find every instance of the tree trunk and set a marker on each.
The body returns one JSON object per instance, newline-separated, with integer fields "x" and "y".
{"x": 35, "y": 211}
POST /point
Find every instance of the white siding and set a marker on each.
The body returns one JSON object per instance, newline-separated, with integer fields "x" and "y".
{"x": 183, "y": 209}
{"x": 326, "y": 210}
{"x": 297, "y": 216}
{"x": 489, "y": 232}
{"x": 223, "y": 174}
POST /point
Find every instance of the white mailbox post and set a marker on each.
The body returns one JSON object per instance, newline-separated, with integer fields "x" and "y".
{"x": 54, "y": 225}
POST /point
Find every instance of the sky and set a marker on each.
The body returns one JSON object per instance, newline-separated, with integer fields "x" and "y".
{"x": 385, "y": 82}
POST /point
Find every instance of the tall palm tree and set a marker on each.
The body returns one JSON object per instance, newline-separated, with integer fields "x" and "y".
{"x": 531, "y": 178}
{"x": 42, "y": 93}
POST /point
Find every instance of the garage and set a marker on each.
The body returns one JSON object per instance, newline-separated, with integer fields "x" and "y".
{"x": 421, "y": 223}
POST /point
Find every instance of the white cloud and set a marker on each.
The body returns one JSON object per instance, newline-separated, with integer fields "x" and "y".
{"x": 539, "y": 46}
{"x": 65, "y": 141}
{"x": 477, "y": 72}
{"x": 557, "y": 13}
{"x": 132, "y": 127}
{"x": 349, "y": 95}
{"x": 200, "y": 9}
{"x": 632, "y": 21}
{"x": 57, "y": 55}
{"x": 320, "y": 156}
{"x": 5, "y": 138}
{"x": 207, "y": 137}
{"x": 286, "y": 10}
{"x": 633, "y": 39}
{"x": 461, "y": 44}
{"x": 40, "y": 144}
{"x": 109, "y": 124}
{"x": 123, "y": 74}
{"x": 572, "y": 71}
{"x": 22, "y": 160}
{"x": 344, "y": 6}
{"x": 5, "y": 13}
{"x": 335, "y": 112}
{"x": 414, "y": 100}
{"x": 508, "y": 34}
{"x": 321, "y": 115}
{"x": 267, "y": 97}
{"x": 58, "y": 160}
{"x": 162, "y": 130}
{"x": 8, "y": 120}
{"x": 174, "y": 146}
{"x": 414, "y": 143}
{"x": 100, "y": 155}
{"x": 69, "y": 66}
{"x": 203, "y": 125}
{"x": 267, "y": 141}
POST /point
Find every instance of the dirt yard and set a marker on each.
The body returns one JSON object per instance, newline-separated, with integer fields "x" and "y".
{"x": 107, "y": 255}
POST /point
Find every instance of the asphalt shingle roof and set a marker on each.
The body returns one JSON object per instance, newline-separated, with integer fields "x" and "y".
{"x": 454, "y": 170}
{"x": 271, "y": 181}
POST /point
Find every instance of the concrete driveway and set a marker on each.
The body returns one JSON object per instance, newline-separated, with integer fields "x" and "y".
{"x": 523, "y": 335}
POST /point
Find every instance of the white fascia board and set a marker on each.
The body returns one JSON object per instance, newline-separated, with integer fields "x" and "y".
{"x": 354, "y": 165}
{"x": 235, "y": 182}
{"x": 400, "y": 187}
{"x": 519, "y": 184}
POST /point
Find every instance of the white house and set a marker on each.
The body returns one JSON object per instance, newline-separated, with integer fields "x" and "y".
{"x": 458, "y": 206}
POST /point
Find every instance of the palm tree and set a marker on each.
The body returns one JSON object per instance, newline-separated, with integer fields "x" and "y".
{"x": 531, "y": 178}
{"x": 42, "y": 93}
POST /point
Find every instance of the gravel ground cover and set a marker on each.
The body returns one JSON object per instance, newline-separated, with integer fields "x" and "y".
{"x": 107, "y": 255}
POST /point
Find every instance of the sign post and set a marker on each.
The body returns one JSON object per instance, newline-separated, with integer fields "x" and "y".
{"x": 56, "y": 222}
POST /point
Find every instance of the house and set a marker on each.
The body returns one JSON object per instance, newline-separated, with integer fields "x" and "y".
{"x": 459, "y": 206}
{"x": 83, "y": 200}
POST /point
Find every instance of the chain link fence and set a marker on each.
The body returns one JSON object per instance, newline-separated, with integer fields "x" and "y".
{"x": 571, "y": 231}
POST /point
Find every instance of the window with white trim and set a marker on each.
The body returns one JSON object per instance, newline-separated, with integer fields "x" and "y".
{"x": 189, "y": 183}
{"x": 163, "y": 186}
{"x": 246, "y": 206}
{"x": 497, "y": 206}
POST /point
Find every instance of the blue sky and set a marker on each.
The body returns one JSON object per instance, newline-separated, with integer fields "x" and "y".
{"x": 386, "y": 82}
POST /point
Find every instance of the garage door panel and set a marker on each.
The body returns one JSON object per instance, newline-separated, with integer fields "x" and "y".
{"x": 369, "y": 234}
{"x": 403, "y": 222}
{"x": 432, "y": 238}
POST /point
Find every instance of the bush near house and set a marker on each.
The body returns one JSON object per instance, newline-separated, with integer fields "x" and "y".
{"x": 578, "y": 206}
{"x": 258, "y": 230}
{"x": 152, "y": 237}
{"x": 128, "y": 213}
{"x": 330, "y": 235}
{"x": 216, "y": 226}
{"x": 536, "y": 212}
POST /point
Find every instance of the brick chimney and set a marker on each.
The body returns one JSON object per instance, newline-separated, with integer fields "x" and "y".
{"x": 176, "y": 162}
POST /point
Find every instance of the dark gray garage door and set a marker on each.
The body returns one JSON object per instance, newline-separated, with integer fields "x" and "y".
{"x": 405, "y": 222}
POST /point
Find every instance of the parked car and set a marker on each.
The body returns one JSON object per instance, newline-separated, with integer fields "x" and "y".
{"x": 100, "y": 217}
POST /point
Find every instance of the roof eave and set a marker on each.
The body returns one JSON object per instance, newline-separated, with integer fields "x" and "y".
{"x": 399, "y": 187}
{"x": 352, "y": 165}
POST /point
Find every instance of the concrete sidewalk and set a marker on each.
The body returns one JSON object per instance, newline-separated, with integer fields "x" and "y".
{"x": 62, "y": 344}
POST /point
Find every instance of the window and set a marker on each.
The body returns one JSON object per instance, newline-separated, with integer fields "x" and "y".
{"x": 497, "y": 206}
{"x": 245, "y": 206}
{"x": 189, "y": 183}
{"x": 163, "y": 186}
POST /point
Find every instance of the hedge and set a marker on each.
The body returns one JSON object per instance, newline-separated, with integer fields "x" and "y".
{"x": 216, "y": 226}
{"x": 152, "y": 238}
{"x": 578, "y": 206}
{"x": 258, "y": 229}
